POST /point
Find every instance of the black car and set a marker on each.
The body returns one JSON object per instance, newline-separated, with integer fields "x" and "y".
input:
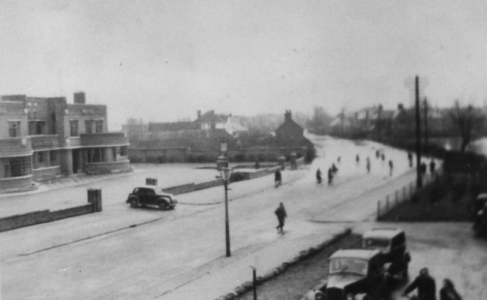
{"x": 354, "y": 274}
{"x": 392, "y": 243}
{"x": 151, "y": 195}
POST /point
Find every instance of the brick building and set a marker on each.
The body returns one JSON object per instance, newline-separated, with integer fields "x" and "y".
{"x": 45, "y": 138}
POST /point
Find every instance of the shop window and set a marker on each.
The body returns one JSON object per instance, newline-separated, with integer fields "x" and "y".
{"x": 17, "y": 167}
{"x": 96, "y": 155}
{"x": 14, "y": 128}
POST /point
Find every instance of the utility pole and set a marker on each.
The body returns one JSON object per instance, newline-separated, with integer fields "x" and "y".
{"x": 379, "y": 122}
{"x": 425, "y": 124}
{"x": 419, "y": 182}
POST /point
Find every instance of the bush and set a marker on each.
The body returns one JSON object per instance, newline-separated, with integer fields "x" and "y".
{"x": 239, "y": 157}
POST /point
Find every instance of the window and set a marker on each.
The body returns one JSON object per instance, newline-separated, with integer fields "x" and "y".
{"x": 96, "y": 155}
{"x": 17, "y": 167}
{"x": 40, "y": 127}
{"x": 99, "y": 126}
{"x": 53, "y": 157}
{"x": 41, "y": 157}
{"x": 73, "y": 128}
{"x": 89, "y": 126}
{"x": 14, "y": 128}
{"x": 348, "y": 265}
{"x": 123, "y": 151}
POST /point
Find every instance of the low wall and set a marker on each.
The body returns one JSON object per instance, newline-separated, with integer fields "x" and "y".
{"x": 13, "y": 184}
{"x": 208, "y": 184}
{"x": 46, "y": 173}
{"x": 108, "y": 167}
{"x": 263, "y": 172}
{"x": 44, "y": 216}
{"x": 180, "y": 189}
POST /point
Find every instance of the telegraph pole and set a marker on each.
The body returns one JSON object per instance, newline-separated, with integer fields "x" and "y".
{"x": 419, "y": 182}
{"x": 425, "y": 124}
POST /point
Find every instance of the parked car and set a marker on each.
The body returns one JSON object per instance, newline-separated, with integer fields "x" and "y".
{"x": 392, "y": 243}
{"x": 355, "y": 274}
{"x": 151, "y": 195}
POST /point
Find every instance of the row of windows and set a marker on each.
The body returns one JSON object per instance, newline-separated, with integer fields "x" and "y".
{"x": 40, "y": 127}
{"x": 17, "y": 167}
{"x": 91, "y": 126}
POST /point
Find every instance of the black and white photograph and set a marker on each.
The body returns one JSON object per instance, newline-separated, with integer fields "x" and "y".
{"x": 243, "y": 149}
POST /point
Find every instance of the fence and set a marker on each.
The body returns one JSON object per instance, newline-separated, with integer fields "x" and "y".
{"x": 405, "y": 193}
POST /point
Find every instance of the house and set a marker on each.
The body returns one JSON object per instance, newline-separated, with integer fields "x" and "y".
{"x": 45, "y": 138}
{"x": 290, "y": 134}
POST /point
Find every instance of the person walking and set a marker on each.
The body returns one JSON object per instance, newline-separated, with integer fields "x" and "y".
{"x": 330, "y": 175}
{"x": 448, "y": 291}
{"x": 368, "y": 165}
{"x": 425, "y": 284}
{"x": 391, "y": 167}
{"x": 410, "y": 158}
{"x": 318, "y": 175}
{"x": 281, "y": 216}
{"x": 277, "y": 178}
{"x": 357, "y": 159}
{"x": 432, "y": 167}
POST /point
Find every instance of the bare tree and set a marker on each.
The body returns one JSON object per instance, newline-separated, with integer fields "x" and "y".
{"x": 320, "y": 121}
{"x": 468, "y": 121}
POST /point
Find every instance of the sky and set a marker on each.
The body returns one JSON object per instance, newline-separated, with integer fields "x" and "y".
{"x": 161, "y": 61}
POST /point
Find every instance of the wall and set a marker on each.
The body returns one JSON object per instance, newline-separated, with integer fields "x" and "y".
{"x": 180, "y": 189}
{"x": 46, "y": 173}
{"x": 44, "y": 216}
{"x": 15, "y": 183}
{"x": 208, "y": 184}
{"x": 107, "y": 167}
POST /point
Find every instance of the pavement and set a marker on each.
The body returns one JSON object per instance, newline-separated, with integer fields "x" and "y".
{"x": 108, "y": 255}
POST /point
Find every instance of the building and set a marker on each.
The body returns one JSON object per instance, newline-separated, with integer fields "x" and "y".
{"x": 45, "y": 138}
{"x": 290, "y": 135}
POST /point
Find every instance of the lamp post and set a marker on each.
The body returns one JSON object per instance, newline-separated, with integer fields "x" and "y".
{"x": 222, "y": 164}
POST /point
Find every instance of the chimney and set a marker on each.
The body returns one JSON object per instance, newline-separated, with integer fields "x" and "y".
{"x": 79, "y": 98}
{"x": 287, "y": 115}
{"x": 199, "y": 114}
{"x": 400, "y": 106}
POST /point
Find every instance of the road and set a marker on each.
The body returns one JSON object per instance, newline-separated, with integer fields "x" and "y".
{"x": 154, "y": 260}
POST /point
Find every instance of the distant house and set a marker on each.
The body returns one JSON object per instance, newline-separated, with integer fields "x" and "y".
{"x": 210, "y": 120}
{"x": 290, "y": 134}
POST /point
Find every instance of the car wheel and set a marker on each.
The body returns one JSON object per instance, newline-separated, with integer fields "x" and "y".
{"x": 163, "y": 205}
{"x": 134, "y": 202}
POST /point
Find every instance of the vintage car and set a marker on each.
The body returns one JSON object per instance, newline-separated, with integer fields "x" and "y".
{"x": 392, "y": 243}
{"x": 151, "y": 195}
{"x": 355, "y": 274}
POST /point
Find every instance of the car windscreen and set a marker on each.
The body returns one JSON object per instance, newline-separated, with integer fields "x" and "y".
{"x": 348, "y": 265}
{"x": 376, "y": 243}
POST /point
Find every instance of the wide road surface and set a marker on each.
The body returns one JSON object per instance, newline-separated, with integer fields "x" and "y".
{"x": 155, "y": 259}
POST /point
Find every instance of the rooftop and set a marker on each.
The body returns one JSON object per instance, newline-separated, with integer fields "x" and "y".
{"x": 385, "y": 233}
{"x": 355, "y": 253}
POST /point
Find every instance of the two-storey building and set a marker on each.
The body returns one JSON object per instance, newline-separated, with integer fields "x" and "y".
{"x": 45, "y": 138}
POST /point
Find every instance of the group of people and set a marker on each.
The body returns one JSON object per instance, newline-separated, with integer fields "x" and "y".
{"x": 426, "y": 287}
{"x": 332, "y": 171}
{"x": 423, "y": 167}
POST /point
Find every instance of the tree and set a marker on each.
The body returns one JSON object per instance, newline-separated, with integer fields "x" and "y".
{"x": 468, "y": 121}
{"x": 320, "y": 121}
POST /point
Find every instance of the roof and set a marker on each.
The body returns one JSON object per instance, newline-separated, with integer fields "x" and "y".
{"x": 385, "y": 233}
{"x": 211, "y": 117}
{"x": 173, "y": 126}
{"x": 355, "y": 253}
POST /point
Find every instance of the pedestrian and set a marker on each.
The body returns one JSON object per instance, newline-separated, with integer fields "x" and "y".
{"x": 432, "y": 167}
{"x": 257, "y": 165}
{"x": 368, "y": 165}
{"x": 410, "y": 158}
{"x": 318, "y": 175}
{"x": 330, "y": 175}
{"x": 422, "y": 168}
{"x": 377, "y": 154}
{"x": 425, "y": 284}
{"x": 281, "y": 216}
{"x": 357, "y": 159}
{"x": 448, "y": 291}
{"x": 277, "y": 178}
{"x": 383, "y": 157}
{"x": 339, "y": 157}
{"x": 391, "y": 167}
